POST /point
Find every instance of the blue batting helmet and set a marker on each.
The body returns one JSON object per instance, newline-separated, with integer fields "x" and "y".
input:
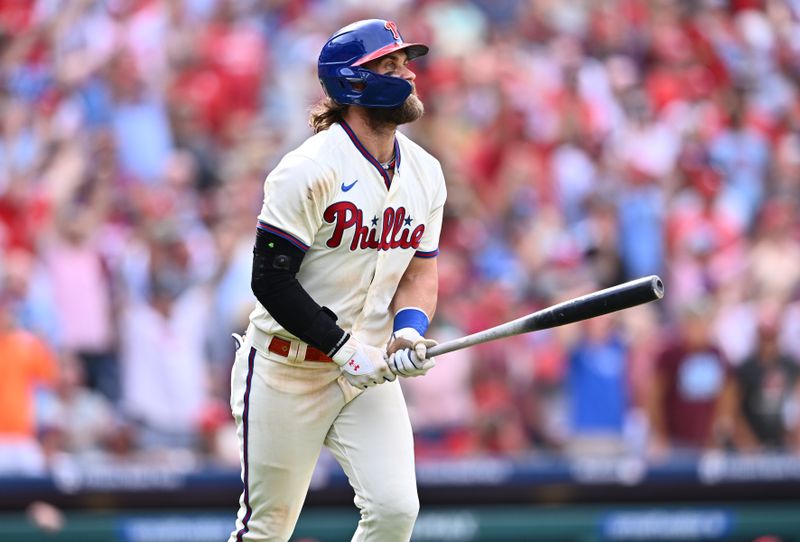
{"x": 339, "y": 66}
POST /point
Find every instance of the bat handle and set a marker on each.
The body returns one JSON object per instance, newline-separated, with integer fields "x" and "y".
{"x": 443, "y": 348}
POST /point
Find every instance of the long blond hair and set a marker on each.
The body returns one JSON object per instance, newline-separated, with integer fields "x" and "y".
{"x": 325, "y": 113}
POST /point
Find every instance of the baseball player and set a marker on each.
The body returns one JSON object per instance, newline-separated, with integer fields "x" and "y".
{"x": 344, "y": 270}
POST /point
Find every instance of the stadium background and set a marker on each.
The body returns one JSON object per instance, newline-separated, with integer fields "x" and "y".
{"x": 584, "y": 143}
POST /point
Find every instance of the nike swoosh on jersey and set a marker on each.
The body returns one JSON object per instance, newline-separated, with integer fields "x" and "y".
{"x": 346, "y": 187}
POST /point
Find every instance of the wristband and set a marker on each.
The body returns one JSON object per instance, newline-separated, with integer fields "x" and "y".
{"x": 412, "y": 317}
{"x": 339, "y": 344}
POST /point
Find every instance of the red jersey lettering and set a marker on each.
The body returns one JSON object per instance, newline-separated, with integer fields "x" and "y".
{"x": 395, "y": 231}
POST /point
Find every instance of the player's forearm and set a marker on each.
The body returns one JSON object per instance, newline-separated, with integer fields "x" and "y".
{"x": 418, "y": 287}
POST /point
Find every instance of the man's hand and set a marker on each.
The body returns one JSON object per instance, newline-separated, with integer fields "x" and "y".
{"x": 408, "y": 352}
{"x": 363, "y": 365}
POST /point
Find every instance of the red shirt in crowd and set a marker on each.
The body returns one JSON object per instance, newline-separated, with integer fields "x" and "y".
{"x": 693, "y": 381}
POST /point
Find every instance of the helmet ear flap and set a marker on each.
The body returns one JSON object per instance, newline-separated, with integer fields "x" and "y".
{"x": 359, "y": 86}
{"x": 355, "y": 79}
{"x": 349, "y": 89}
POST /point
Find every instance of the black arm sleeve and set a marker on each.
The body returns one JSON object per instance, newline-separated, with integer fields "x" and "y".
{"x": 275, "y": 264}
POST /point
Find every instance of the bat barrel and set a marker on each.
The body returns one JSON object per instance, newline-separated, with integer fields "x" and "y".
{"x": 616, "y": 298}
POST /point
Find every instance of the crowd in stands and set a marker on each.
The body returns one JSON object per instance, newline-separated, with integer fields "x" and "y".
{"x": 583, "y": 143}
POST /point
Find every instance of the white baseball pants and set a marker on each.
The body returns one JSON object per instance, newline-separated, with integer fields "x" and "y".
{"x": 285, "y": 412}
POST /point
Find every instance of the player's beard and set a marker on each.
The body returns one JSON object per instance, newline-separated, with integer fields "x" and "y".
{"x": 409, "y": 111}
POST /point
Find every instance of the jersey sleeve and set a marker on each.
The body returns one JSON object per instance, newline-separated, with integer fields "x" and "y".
{"x": 429, "y": 244}
{"x": 295, "y": 194}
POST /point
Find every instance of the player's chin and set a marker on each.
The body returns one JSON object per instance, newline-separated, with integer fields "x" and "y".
{"x": 409, "y": 111}
{"x": 412, "y": 109}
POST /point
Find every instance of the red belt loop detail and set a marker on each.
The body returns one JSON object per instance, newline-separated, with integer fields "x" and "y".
{"x": 282, "y": 346}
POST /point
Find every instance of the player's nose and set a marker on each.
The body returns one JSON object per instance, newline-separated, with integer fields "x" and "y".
{"x": 408, "y": 75}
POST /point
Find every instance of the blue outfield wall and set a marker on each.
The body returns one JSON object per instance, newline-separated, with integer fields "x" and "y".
{"x": 713, "y": 497}
{"x": 576, "y": 523}
{"x": 468, "y": 482}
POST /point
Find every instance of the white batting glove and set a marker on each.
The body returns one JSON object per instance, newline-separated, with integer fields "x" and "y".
{"x": 363, "y": 365}
{"x": 409, "y": 353}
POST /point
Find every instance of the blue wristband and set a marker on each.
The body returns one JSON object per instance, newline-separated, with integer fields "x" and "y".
{"x": 411, "y": 317}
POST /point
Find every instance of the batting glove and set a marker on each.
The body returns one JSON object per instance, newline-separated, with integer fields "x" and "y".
{"x": 409, "y": 351}
{"x": 363, "y": 365}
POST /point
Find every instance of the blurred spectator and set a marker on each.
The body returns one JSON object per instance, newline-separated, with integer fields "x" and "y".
{"x": 235, "y": 51}
{"x": 787, "y": 167}
{"x": 597, "y": 389}
{"x": 597, "y": 235}
{"x": 26, "y": 363}
{"x": 769, "y": 380}
{"x": 139, "y": 120}
{"x": 774, "y": 259}
{"x": 743, "y": 156}
{"x": 498, "y": 424}
{"x": 641, "y": 227}
{"x": 30, "y": 290}
{"x": 23, "y": 209}
{"x": 705, "y": 240}
{"x": 81, "y": 283}
{"x": 692, "y": 394}
{"x": 78, "y": 420}
{"x": 20, "y": 148}
{"x": 163, "y": 349}
{"x": 646, "y": 148}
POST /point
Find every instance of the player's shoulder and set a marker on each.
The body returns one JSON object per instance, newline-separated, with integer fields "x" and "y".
{"x": 322, "y": 146}
{"x": 313, "y": 157}
{"x": 413, "y": 150}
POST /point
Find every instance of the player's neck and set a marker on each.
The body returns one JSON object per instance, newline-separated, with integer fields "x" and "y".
{"x": 378, "y": 139}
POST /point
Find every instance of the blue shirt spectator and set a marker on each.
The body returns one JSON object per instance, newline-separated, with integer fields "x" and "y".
{"x": 641, "y": 236}
{"x": 143, "y": 137}
{"x": 743, "y": 156}
{"x": 597, "y": 385}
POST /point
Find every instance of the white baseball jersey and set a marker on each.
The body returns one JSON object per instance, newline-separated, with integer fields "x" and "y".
{"x": 332, "y": 199}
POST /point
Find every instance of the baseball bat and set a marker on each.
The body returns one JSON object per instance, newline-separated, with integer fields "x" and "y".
{"x": 619, "y": 297}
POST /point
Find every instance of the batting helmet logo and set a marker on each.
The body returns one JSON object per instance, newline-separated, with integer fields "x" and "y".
{"x": 392, "y": 26}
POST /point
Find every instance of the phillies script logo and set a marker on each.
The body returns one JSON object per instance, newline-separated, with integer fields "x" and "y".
{"x": 396, "y": 229}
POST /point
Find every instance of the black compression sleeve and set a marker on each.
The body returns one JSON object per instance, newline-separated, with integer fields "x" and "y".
{"x": 275, "y": 264}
